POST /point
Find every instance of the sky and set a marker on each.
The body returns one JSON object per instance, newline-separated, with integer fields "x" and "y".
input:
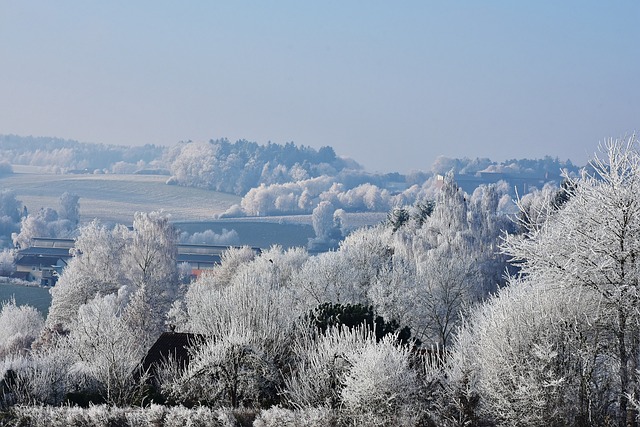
{"x": 392, "y": 85}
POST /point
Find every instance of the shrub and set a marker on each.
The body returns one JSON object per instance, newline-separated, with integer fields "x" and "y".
{"x": 310, "y": 417}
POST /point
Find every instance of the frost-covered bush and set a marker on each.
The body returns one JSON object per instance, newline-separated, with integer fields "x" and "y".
{"x": 381, "y": 387}
{"x": 235, "y": 369}
{"x": 46, "y": 376}
{"x": 349, "y": 373}
{"x": 19, "y": 327}
{"x": 107, "y": 416}
{"x": 277, "y": 416}
{"x": 532, "y": 356}
{"x": 320, "y": 365}
{"x": 210, "y": 237}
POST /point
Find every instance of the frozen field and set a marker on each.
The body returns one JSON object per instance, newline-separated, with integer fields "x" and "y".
{"x": 115, "y": 198}
{"x": 36, "y": 296}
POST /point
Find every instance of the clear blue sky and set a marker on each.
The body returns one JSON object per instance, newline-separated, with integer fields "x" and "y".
{"x": 390, "y": 84}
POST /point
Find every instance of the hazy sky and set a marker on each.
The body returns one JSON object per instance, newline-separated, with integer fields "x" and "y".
{"x": 390, "y": 84}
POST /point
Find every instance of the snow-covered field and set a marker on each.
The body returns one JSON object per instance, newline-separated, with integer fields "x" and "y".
{"x": 117, "y": 197}
{"x": 36, "y": 296}
{"x": 353, "y": 219}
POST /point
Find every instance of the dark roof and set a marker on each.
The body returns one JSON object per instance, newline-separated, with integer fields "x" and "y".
{"x": 41, "y": 251}
{"x": 198, "y": 258}
{"x": 51, "y": 242}
{"x": 185, "y": 248}
{"x": 37, "y": 260}
{"x": 170, "y": 344}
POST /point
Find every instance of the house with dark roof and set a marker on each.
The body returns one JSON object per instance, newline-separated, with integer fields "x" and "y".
{"x": 44, "y": 260}
{"x": 202, "y": 257}
{"x": 171, "y": 347}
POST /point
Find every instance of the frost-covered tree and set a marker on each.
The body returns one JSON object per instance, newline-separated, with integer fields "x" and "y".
{"x": 10, "y": 206}
{"x": 531, "y": 356}
{"x": 19, "y": 327}
{"x": 105, "y": 349}
{"x": 69, "y": 208}
{"x": 593, "y": 243}
{"x": 381, "y": 387}
{"x": 152, "y": 273}
{"x": 30, "y": 227}
{"x": 427, "y": 294}
{"x": 247, "y": 311}
{"x": 7, "y": 262}
{"x": 44, "y": 223}
{"x": 139, "y": 263}
{"x": 444, "y": 259}
{"x": 325, "y": 221}
{"x": 96, "y": 268}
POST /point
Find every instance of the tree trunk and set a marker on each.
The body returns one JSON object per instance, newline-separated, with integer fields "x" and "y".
{"x": 627, "y": 415}
{"x": 632, "y": 413}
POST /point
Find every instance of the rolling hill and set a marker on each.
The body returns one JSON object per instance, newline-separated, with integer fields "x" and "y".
{"x": 115, "y": 198}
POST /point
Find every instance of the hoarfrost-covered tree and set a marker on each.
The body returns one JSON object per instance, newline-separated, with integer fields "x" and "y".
{"x": 30, "y": 226}
{"x": 427, "y": 294}
{"x": 7, "y": 262}
{"x": 321, "y": 366}
{"x": 152, "y": 271}
{"x": 69, "y": 208}
{"x": 531, "y": 356}
{"x": 96, "y": 268}
{"x": 19, "y": 327}
{"x": 139, "y": 263}
{"x": 327, "y": 278}
{"x": 10, "y": 206}
{"x": 444, "y": 260}
{"x": 44, "y": 223}
{"x": 323, "y": 222}
{"x": 327, "y": 226}
{"x": 248, "y": 315}
{"x": 105, "y": 349}
{"x": 381, "y": 387}
{"x": 593, "y": 242}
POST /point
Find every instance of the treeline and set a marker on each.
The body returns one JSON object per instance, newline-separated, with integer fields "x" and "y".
{"x": 274, "y": 171}
{"x": 523, "y": 167}
{"x": 61, "y": 155}
{"x": 237, "y": 167}
{"x": 18, "y": 226}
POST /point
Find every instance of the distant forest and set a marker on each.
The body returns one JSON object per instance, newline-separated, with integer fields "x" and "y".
{"x": 276, "y": 179}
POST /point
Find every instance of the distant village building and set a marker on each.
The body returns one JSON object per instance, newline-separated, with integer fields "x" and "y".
{"x": 202, "y": 257}
{"x": 520, "y": 182}
{"x": 46, "y": 258}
